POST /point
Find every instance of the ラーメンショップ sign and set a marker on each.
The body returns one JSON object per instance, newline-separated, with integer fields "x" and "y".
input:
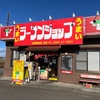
{"x": 50, "y": 32}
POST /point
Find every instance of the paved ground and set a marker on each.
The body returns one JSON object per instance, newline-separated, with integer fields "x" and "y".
{"x": 43, "y": 91}
{"x": 51, "y": 85}
{"x": 57, "y": 85}
{"x": 1, "y": 71}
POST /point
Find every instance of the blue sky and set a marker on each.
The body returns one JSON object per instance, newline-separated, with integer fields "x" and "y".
{"x": 21, "y": 10}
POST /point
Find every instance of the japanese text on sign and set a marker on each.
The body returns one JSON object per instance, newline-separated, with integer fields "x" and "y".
{"x": 49, "y": 33}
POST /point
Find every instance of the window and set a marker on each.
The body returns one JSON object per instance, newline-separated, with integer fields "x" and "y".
{"x": 18, "y": 55}
{"x": 15, "y": 56}
{"x": 66, "y": 64}
{"x": 22, "y": 56}
{"x": 81, "y": 60}
{"x": 93, "y": 61}
{"x": 88, "y": 60}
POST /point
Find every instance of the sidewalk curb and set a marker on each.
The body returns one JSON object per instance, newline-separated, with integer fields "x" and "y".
{"x": 93, "y": 89}
{"x": 58, "y": 84}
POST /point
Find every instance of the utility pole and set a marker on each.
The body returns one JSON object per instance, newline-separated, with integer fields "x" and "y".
{"x": 8, "y": 16}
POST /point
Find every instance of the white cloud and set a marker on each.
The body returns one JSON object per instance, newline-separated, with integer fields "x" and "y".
{"x": 2, "y": 52}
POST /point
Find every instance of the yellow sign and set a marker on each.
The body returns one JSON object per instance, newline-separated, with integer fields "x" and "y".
{"x": 26, "y": 74}
{"x": 18, "y": 72}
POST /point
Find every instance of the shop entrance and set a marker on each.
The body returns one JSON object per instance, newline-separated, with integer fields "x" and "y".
{"x": 53, "y": 68}
{"x": 48, "y": 64}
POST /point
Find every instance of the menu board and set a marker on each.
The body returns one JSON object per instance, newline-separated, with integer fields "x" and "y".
{"x": 18, "y": 72}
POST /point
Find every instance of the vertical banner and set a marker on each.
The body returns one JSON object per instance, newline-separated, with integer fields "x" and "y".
{"x": 18, "y": 72}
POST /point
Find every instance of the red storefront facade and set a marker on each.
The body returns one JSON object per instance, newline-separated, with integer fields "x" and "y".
{"x": 63, "y": 47}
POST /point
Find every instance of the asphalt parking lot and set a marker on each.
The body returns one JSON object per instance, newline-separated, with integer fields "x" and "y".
{"x": 53, "y": 84}
{"x": 43, "y": 91}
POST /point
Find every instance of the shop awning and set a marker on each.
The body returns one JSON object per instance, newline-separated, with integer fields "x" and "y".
{"x": 91, "y": 46}
{"x": 43, "y": 48}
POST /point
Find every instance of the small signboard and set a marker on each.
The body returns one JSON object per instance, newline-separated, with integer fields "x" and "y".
{"x": 18, "y": 72}
{"x": 44, "y": 74}
{"x": 7, "y": 33}
{"x": 92, "y": 25}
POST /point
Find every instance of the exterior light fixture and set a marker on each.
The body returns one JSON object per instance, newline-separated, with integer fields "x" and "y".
{"x": 50, "y": 17}
{"x": 66, "y": 53}
{"x": 0, "y": 25}
{"x": 14, "y": 22}
{"x": 30, "y": 19}
{"x": 97, "y": 14}
{"x": 42, "y": 19}
{"x": 73, "y": 15}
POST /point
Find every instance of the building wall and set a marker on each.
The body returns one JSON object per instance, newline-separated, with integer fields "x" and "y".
{"x": 8, "y": 67}
{"x": 66, "y": 77}
{"x": 89, "y": 44}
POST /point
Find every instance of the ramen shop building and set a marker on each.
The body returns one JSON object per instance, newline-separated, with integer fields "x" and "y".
{"x": 62, "y": 48}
